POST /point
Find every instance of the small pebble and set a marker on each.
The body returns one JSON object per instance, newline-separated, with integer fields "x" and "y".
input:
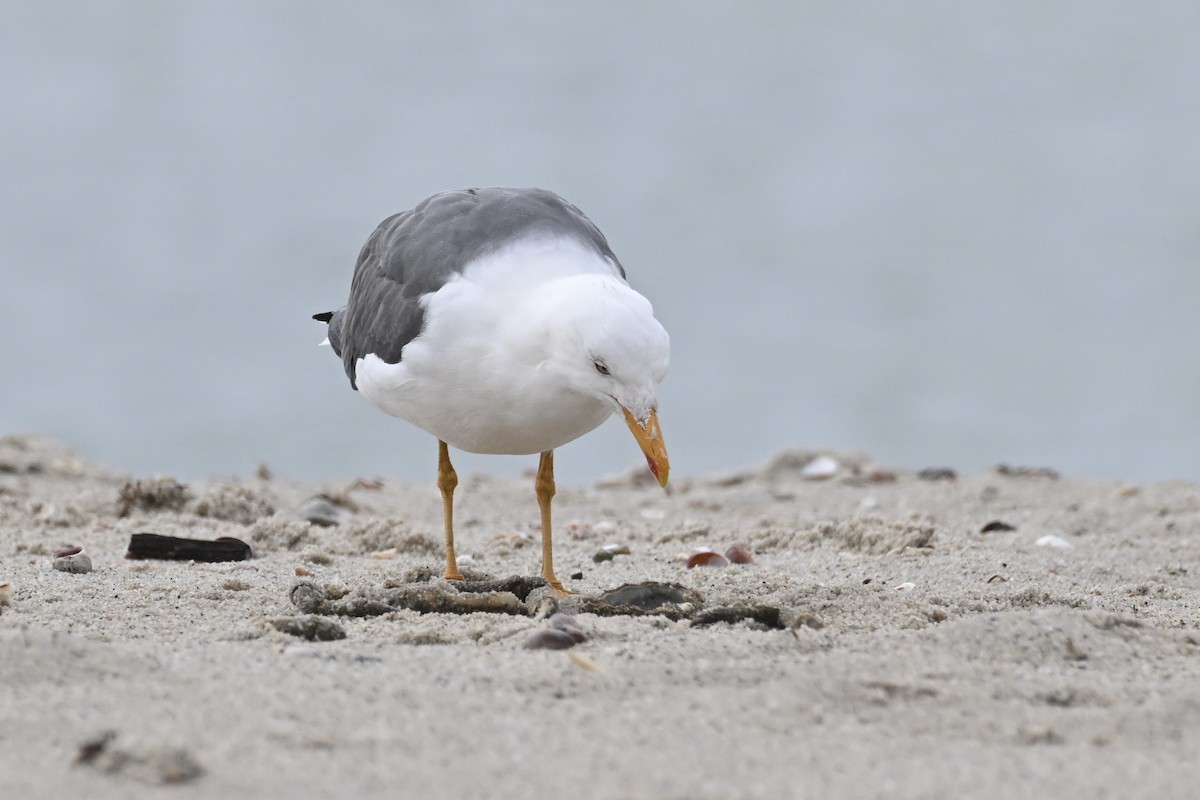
{"x": 937, "y": 474}
{"x": 302, "y": 572}
{"x": 876, "y": 473}
{"x": 549, "y": 639}
{"x": 607, "y": 552}
{"x": 997, "y": 526}
{"x": 1053, "y": 541}
{"x": 704, "y": 557}
{"x": 568, "y": 625}
{"x": 820, "y": 468}
{"x": 73, "y": 560}
{"x": 321, "y": 511}
{"x": 6, "y": 594}
{"x": 384, "y": 555}
{"x": 739, "y": 554}
{"x": 576, "y": 576}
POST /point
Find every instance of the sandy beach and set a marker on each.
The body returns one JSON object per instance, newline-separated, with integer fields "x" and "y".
{"x": 899, "y": 650}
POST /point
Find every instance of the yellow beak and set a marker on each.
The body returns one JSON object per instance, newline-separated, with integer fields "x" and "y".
{"x": 649, "y": 438}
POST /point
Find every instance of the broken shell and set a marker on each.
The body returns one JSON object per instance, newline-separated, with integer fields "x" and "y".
{"x": 907, "y": 586}
{"x": 584, "y": 663}
{"x": 549, "y": 639}
{"x": 820, "y": 468}
{"x": 1053, "y": 541}
{"x": 73, "y": 560}
{"x": 703, "y": 557}
{"x": 738, "y": 554}
{"x": 937, "y": 474}
{"x": 383, "y": 555}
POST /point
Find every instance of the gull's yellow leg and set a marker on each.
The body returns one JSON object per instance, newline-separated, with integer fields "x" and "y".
{"x": 544, "y": 485}
{"x": 447, "y": 481}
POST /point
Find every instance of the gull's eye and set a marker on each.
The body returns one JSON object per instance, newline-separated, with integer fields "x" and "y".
{"x": 603, "y": 370}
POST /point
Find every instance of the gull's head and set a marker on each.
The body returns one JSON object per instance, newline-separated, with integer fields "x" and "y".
{"x": 618, "y": 353}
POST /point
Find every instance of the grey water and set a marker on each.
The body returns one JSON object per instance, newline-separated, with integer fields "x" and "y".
{"x": 943, "y": 233}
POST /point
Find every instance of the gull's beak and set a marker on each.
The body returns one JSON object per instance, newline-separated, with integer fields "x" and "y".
{"x": 649, "y": 438}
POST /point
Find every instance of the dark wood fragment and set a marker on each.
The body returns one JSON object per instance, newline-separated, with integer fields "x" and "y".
{"x": 175, "y": 548}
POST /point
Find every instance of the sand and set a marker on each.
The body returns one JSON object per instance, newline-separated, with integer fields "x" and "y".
{"x": 921, "y": 657}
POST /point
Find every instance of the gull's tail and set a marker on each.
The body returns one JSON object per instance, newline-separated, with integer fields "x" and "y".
{"x": 334, "y": 320}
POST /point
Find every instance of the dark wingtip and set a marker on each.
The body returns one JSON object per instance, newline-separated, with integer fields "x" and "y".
{"x": 324, "y": 316}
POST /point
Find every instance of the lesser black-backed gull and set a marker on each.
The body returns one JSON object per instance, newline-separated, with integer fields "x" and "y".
{"x": 500, "y": 321}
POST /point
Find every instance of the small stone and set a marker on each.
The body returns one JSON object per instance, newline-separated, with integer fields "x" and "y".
{"x": 549, "y": 639}
{"x": 576, "y": 576}
{"x": 568, "y": 625}
{"x": 321, "y": 511}
{"x": 876, "y": 473}
{"x": 607, "y": 552}
{"x": 6, "y": 595}
{"x": 937, "y": 474}
{"x": 739, "y": 554}
{"x": 72, "y": 560}
{"x": 997, "y": 526}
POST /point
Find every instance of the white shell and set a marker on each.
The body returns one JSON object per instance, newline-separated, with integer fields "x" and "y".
{"x": 820, "y": 468}
{"x": 1053, "y": 541}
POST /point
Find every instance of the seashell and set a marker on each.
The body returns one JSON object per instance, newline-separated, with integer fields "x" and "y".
{"x": 820, "y": 468}
{"x": 704, "y": 557}
{"x": 383, "y": 555}
{"x": 73, "y": 560}
{"x": 549, "y": 639}
{"x": 907, "y": 586}
{"x": 739, "y": 554}
{"x": 1053, "y": 541}
{"x": 6, "y": 594}
{"x": 321, "y": 511}
{"x": 584, "y": 663}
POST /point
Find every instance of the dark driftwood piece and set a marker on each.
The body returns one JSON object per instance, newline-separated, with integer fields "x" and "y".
{"x": 175, "y": 548}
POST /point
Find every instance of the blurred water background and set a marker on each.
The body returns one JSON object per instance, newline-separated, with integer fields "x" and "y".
{"x": 941, "y": 232}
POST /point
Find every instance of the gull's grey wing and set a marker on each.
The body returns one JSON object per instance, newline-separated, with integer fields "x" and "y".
{"x": 414, "y": 253}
